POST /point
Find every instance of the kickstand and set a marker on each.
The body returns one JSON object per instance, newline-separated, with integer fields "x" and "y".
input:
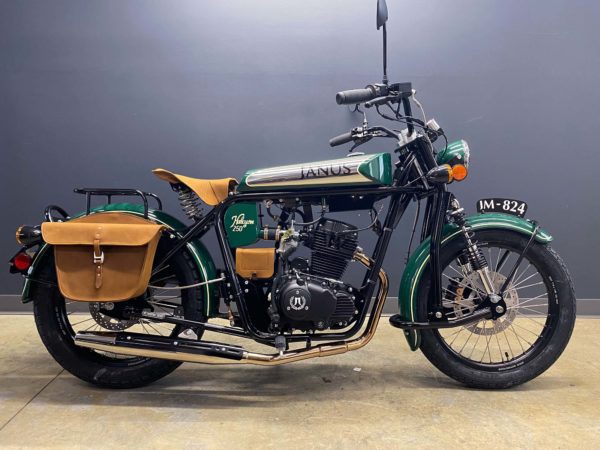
{"x": 280, "y": 344}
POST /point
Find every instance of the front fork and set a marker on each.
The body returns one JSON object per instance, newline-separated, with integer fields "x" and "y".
{"x": 473, "y": 260}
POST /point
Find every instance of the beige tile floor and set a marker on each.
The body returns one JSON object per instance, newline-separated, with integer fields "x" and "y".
{"x": 396, "y": 400}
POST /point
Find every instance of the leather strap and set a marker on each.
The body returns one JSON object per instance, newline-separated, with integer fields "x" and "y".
{"x": 98, "y": 276}
{"x": 98, "y": 260}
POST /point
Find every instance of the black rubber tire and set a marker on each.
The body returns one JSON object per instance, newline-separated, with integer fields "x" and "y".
{"x": 536, "y": 360}
{"x": 89, "y": 366}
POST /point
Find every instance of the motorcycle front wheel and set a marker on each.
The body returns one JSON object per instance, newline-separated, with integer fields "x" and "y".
{"x": 527, "y": 339}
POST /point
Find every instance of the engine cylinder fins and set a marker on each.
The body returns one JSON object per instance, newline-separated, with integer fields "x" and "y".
{"x": 332, "y": 243}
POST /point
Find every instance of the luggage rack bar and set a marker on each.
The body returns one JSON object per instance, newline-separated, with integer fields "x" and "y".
{"x": 110, "y": 192}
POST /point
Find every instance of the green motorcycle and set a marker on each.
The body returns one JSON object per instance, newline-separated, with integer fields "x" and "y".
{"x": 123, "y": 292}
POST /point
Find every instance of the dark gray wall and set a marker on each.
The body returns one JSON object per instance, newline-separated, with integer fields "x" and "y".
{"x": 99, "y": 93}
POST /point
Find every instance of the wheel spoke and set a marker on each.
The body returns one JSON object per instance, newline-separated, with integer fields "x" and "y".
{"x": 502, "y": 260}
{"x": 91, "y": 318}
{"x": 526, "y": 307}
{"x": 525, "y": 329}
{"x": 518, "y": 337}
{"x": 519, "y": 282}
{"x": 529, "y": 285}
{"x": 499, "y": 348}
{"x": 512, "y": 355}
{"x": 487, "y": 346}
{"x": 457, "y": 334}
{"x": 509, "y": 335}
{"x": 476, "y": 341}
{"x": 527, "y": 300}
{"x": 462, "y": 284}
{"x": 517, "y": 277}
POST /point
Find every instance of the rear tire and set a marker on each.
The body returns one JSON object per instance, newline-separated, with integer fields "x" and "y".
{"x": 554, "y": 336}
{"x": 99, "y": 369}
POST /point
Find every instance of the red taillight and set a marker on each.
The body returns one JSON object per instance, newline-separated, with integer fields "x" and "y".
{"x": 22, "y": 261}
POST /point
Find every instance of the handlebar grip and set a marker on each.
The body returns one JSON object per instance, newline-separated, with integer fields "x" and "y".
{"x": 354, "y": 96}
{"x": 341, "y": 139}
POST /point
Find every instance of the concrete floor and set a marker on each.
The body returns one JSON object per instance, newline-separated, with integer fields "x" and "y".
{"x": 382, "y": 396}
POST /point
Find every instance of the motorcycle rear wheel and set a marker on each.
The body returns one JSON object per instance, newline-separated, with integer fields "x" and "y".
{"x": 538, "y": 326}
{"x": 57, "y": 326}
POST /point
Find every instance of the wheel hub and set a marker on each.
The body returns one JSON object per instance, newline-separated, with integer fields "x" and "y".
{"x": 468, "y": 296}
{"x": 98, "y": 312}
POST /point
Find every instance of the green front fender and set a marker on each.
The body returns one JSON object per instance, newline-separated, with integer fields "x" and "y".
{"x": 200, "y": 255}
{"x": 407, "y": 295}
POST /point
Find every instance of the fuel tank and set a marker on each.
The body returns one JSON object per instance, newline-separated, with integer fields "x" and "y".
{"x": 370, "y": 170}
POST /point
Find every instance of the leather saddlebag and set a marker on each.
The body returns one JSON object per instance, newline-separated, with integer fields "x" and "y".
{"x": 103, "y": 257}
{"x": 255, "y": 262}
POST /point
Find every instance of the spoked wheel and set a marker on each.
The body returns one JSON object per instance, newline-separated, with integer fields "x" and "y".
{"x": 58, "y": 320}
{"x": 527, "y": 339}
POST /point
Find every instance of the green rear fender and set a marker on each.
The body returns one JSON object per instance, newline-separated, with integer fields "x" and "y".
{"x": 407, "y": 296}
{"x": 200, "y": 255}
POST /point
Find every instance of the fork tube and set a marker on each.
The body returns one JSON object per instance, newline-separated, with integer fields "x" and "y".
{"x": 441, "y": 206}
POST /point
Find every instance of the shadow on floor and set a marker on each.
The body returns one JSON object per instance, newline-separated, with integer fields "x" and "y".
{"x": 223, "y": 387}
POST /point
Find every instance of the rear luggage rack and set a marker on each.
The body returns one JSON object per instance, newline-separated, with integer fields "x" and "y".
{"x": 110, "y": 192}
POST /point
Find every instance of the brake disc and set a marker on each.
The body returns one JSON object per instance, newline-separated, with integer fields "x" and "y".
{"x": 463, "y": 306}
{"x": 106, "y": 321}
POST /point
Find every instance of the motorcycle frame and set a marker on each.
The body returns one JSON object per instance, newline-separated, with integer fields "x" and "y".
{"x": 400, "y": 197}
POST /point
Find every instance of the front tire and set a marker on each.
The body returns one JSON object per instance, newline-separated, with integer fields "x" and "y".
{"x": 57, "y": 328}
{"x": 529, "y": 355}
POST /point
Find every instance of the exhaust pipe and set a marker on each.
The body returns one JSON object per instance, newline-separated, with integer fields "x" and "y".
{"x": 139, "y": 344}
{"x": 136, "y": 344}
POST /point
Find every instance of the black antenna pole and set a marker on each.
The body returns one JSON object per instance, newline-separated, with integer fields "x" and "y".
{"x": 385, "y": 78}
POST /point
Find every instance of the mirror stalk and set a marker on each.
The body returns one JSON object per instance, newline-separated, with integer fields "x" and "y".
{"x": 385, "y": 77}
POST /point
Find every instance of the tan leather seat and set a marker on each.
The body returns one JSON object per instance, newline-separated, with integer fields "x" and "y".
{"x": 211, "y": 192}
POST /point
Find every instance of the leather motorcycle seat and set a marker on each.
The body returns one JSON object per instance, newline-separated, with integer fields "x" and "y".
{"x": 212, "y": 192}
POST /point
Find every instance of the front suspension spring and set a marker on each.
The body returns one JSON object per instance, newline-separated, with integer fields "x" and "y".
{"x": 474, "y": 254}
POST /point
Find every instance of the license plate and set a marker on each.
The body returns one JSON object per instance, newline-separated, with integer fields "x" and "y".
{"x": 502, "y": 205}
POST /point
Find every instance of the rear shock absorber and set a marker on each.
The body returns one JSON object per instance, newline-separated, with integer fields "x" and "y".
{"x": 189, "y": 201}
{"x": 474, "y": 257}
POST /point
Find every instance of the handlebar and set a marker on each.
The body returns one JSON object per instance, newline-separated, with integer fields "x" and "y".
{"x": 341, "y": 139}
{"x": 375, "y": 95}
{"x": 354, "y": 96}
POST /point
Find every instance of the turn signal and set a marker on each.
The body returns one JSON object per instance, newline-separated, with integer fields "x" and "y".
{"x": 459, "y": 172}
{"x": 440, "y": 174}
{"x": 22, "y": 261}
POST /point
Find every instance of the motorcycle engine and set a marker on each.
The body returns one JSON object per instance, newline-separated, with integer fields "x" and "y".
{"x": 310, "y": 295}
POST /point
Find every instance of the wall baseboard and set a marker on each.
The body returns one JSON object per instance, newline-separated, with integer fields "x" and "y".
{"x": 11, "y": 304}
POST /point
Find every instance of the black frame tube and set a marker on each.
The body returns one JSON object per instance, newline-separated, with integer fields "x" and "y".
{"x": 400, "y": 198}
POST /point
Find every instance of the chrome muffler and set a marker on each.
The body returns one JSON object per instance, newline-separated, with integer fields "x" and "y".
{"x": 186, "y": 350}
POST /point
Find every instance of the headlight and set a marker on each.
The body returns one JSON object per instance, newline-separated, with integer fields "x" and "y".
{"x": 456, "y": 152}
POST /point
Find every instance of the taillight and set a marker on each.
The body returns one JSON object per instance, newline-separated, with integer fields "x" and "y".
{"x": 21, "y": 262}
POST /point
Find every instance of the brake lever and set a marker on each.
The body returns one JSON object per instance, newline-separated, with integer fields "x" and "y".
{"x": 382, "y": 100}
{"x": 360, "y": 141}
